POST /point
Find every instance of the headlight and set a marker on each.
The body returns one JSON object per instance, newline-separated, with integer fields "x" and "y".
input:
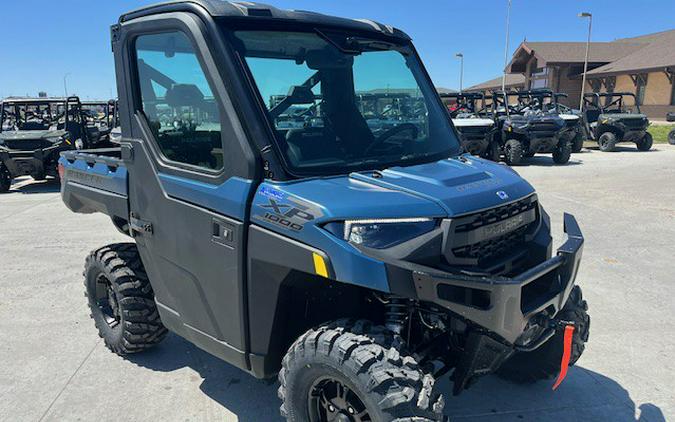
{"x": 381, "y": 233}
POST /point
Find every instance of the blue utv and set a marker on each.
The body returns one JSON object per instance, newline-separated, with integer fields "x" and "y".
{"x": 358, "y": 261}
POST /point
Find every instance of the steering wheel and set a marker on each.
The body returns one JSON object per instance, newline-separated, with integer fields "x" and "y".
{"x": 391, "y": 132}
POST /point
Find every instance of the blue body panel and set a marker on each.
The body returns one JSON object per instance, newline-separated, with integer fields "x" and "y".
{"x": 228, "y": 198}
{"x": 443, "y": 189}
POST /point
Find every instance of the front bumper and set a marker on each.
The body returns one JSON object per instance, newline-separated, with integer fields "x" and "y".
{"x": 517, "y": 309}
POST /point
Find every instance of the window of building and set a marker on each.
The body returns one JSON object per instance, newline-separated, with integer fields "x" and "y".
{"x": 178, "y": 101}
{"x": 539, "y": 78}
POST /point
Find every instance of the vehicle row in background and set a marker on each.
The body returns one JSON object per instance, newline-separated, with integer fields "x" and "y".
{"x": 514, "y": 125}
{"x": 33, "y": 131}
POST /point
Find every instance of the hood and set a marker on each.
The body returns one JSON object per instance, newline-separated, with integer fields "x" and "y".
{"x": 472, "y": 122}
{"x": 31, "y": 135}
{"x": 568, "y": 117}
{"x": 621, "y": 116}
{"x": 444, "y": 188}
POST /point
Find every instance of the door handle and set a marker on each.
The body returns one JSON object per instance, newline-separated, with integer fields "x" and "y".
{"x": 222, "y": 233}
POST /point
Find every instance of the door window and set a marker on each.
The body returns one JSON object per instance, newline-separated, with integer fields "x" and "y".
{"x": 178, "y": 101}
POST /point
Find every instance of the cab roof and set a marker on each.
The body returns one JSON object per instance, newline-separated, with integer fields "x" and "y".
{"x": 262, "y": 12}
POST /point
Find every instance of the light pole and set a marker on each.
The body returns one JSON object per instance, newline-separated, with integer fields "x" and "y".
{"x": 506, "y": 46}
{"x": 588, "y": 44}
{"x": 65, "y": 84}
{"x": 461, "y": 70}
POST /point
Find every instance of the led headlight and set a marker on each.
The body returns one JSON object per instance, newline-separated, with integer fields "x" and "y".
{"x": 381, "y": 233}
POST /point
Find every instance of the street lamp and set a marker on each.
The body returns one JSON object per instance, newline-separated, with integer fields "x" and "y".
{"x": 588, "y": 44}
{"x": 461, "y": 70}
{"x": 506, "y": 46}
{"x": 65, "y": 85}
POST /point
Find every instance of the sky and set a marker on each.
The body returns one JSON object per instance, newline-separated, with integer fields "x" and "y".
{"x": 48, "y": 40}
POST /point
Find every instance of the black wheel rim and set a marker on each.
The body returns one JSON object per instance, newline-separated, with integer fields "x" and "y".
{"x": 330, "y": 400}
{"x": 106, "y": 300}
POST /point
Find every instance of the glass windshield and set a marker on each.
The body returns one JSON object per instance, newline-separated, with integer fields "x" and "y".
{"x": 339, "y": 103}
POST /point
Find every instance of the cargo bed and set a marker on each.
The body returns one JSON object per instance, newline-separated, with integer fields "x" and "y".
{"x": 95, "y": 181}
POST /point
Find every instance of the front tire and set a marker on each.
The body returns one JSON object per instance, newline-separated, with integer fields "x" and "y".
{"x": 544, "y": 362}
{"x": 5, "y": 179}
{"x": 577, "y": 142}
{"x": 645, "y": 144}
{"x": 562, "y": 152}
{"x": 121, "y": 299}
{"x": 607, "y": 142}
{"x": 493, "y": 153}
{"x": 354, "y": 371}
{"x": 513, "y": 152}
{"x": 671, "y": 137}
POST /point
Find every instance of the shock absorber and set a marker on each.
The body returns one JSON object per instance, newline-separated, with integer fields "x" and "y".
{"x": 395, "y": 314}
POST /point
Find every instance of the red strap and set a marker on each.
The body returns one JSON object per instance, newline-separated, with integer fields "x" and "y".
{"x": 567, "y": 354}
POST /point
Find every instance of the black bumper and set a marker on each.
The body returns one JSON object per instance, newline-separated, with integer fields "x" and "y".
{"x": 517, "y": 309}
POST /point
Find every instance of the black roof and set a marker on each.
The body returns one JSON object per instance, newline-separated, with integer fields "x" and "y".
{"x": 262, "y": 12}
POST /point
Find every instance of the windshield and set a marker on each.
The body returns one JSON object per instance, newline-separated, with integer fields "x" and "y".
{"x": 31, "y": 116}
{"x": 339, "y": 103}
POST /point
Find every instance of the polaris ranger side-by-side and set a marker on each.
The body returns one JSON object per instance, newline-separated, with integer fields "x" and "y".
{"x": 477, "y": 131}
{"x": 524, "y": 131}
{"x": 358, "y": 266}
{"x": 33, "y": 131}
{"x": 547, "y": 101}
{"x": 610, "y": 121}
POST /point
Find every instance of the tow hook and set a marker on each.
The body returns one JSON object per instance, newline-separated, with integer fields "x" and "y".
{"x": 568, "y": 329}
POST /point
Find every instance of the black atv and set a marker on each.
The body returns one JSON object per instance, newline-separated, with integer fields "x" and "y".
{"x": 609, "y": 121}
{"x": 33, "y": 131}
{"x": 525, "y": 131}
{"x": 99, "y": 117}
{"x": 476, "y": 128}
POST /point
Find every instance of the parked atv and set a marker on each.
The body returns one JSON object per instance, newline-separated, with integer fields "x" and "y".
{"x": 546, "y": 100}
{"x": 357, "y": 266}
{"x": 609, "y": 121}
{"x": 525, "y": 131}
{"x": 33, "y": 131}
{"x": 671, "y": 136}
{"x": 477, "y": 131}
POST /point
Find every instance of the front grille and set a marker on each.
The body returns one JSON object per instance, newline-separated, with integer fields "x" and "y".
{"x": 491, "y": 248}
{"x": 483, "y": 240}
{"x": 495, "y": 215}
{"x": 544, "y": 128}
{"x": 478, "y": 130}
{"x": 634, "y": 123}
{"x": 27, "y": 144}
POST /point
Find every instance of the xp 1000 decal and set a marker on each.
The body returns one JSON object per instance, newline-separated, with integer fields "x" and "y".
{"x": 282, "y": 210}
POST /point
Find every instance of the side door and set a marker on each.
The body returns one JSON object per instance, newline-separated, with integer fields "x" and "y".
{"x": 190, "y": 179}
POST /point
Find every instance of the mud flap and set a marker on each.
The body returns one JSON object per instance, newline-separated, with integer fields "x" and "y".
{"x": 482, "y": 355}
{"x": 567, "y": 355}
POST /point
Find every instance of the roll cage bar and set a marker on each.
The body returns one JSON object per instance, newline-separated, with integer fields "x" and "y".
{"x": 592, "y": 100}
{"x": 466, "y": 101}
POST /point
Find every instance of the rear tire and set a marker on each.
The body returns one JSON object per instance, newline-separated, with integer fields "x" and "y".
{"x": 544, "y": 362}
{"x": 349, "y": 368}
{"x": 671, "y": 137}
{"x": 607, "y": 142}
{"x": 513, "y": 152}
{"x": 577, "y": 143}
{"x": 645, "y": 144}
{"x": 121, "y": 299}
{"x": 562, "y": 152}
{"x": 493, "y": 153}
{"x": 5, "y": 179}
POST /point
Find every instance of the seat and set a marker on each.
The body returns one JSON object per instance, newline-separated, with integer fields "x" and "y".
{"x": 313, "y": 143}
{"x": 592, "y": 115}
